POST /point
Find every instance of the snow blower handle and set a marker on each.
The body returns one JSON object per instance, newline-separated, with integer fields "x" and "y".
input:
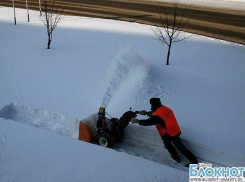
{"x": 143, "y": 112}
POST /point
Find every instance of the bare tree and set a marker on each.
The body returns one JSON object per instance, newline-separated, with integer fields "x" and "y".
{"x": 14, "y": 12}
{"x": 40, "y": 8}
{"x": 172, "y": 26}
{"x": 51, "y": 15}
{"x": 28, "y": 16}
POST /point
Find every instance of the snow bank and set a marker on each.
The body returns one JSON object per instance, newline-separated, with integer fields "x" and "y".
{"x": 31, "y": 154}
{"x": 56, "y": 123}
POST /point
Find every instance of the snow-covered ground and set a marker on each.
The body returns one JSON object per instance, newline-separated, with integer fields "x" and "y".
{"x": 28, "y": 154}
{"x": 93, "y": 62}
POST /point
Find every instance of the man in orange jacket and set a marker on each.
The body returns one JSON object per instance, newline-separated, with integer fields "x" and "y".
{"x": 164, "y": 120}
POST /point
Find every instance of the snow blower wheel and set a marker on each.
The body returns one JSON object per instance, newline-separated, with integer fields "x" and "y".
{"x": 110, "y": 131}
{"x": 105, "y": 140}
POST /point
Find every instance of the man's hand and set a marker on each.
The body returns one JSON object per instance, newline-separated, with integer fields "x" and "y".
{"x": 143, "y": 112}
{"x": 134, "y": 120}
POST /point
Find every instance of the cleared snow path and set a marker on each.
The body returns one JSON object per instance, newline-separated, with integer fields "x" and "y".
{"x": 146, "y": 143}
{"x": 139, "y": 141}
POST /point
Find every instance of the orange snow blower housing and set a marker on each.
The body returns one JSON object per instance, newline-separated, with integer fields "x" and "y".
{"x": 84, "y": 134}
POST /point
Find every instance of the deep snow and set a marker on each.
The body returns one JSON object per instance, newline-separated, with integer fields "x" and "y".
{"x": 204, "y": 84}
{"x": 49, "y": 157}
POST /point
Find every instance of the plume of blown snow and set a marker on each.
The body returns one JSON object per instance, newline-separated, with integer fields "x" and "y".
{"x": 128, "y": 65}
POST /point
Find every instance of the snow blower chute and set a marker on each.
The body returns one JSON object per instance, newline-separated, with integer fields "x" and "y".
{"x": 103, "y": 131}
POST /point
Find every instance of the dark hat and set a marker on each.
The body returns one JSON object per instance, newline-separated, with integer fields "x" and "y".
{"x": 155, "y": 103}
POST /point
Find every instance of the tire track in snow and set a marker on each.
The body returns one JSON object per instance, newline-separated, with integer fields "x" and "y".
{"x": 3, "y": 144}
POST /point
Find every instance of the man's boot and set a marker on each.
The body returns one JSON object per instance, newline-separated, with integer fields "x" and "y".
{"x": 190, "y": 156}
{"x": 176, "y": 158}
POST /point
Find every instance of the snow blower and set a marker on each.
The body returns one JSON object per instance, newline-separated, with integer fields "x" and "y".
{"x": 106, "y": 132}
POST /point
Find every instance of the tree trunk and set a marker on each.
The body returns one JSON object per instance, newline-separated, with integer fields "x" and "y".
{"x": 49, "y": 40}
{"x": 169, "y": 47}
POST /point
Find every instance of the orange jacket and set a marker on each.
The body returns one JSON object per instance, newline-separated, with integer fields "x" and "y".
{"x": 167, "y": 115}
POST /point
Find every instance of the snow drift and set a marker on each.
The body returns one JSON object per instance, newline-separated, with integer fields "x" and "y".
{"x": 56, "y": 123}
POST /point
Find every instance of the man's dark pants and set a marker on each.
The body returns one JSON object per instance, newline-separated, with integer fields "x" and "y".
{"x": 175, "y": 142}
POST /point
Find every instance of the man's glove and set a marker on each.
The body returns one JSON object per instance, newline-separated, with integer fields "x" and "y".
{"x": 143, "y": 112}
{"x": 134, "y": 120}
